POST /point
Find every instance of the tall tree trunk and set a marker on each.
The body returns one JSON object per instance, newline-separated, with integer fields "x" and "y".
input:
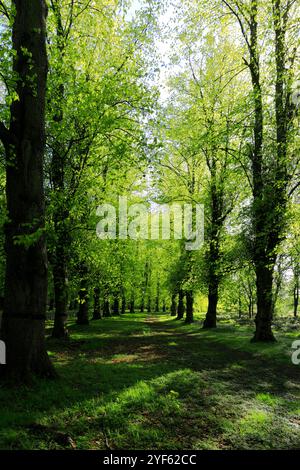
{"x": 296, "y": 288}
{"x": 213, "y": 295}
{"x": 213, "y": 256}
{"x": 173, "y": 305}
{"x": 116, "y": 306}
{"x": 123, "y": 304}
{"x": 263, "y": 266}
{"x": 214, "y": 233}
{"x": 164, "y": 307}
{"x": 180, "y": 308}
{"x": 83, "y": 310}
{"x": 23, "y": 324}
{"x": 106, "y": 307}
{"x": 263, "y": 322}
{"x": 240, "y": 306}
{"x": 157, "y": 300}
{"x": 149, "y": 304}
{"x": 296, "y": 296}
{"x": 189, "y": 318}
{"x": 97, "y": 309}
{"x": 60, "y": 212}
{"x": 250, "y": 308}
{"x": 131, "y": 306}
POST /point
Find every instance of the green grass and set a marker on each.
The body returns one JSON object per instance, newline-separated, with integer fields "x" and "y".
{"x": 134, "y": 382}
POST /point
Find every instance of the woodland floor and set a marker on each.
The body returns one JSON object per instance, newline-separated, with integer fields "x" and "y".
{"x": 140, "y": 382}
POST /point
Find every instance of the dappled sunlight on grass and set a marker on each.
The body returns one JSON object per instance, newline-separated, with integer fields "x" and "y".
{"x": 138, "y": 382}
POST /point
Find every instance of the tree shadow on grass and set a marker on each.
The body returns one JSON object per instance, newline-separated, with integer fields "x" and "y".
{"x": 124, "y": 384}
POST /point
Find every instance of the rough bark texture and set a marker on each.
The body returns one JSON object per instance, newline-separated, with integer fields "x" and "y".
{"x": 23, "y": 325}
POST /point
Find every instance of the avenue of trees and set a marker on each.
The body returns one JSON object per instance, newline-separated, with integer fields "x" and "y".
{"x": 83, "y": 122}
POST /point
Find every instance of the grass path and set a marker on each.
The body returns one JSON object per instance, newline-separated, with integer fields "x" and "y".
{"x": 136, "y": 382}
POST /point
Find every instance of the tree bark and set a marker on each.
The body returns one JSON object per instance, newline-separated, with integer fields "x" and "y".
{"x": 131, "y": 306}
{"x": 180, "y": 308}
{"x": 189, "y": 318}
{"x": 97, "y": 310}
{"x": 214, "y": 250}
{"x": 261, "y": 224}
{"x": 106, "y": 308}
{"x": 296, "y": 298}
{"x": 213, "y": 295}
{"x": 123, "y": 304}
{"x": 173, "y": 305}
{"x": 263, "y": 322}
{"x": 116, "y": 306}
{"x": 23, "y": 324}
{"x": 157, "y": 299}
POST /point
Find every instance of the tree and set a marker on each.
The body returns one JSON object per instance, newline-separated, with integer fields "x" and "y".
{"x": 270, "y": 176}
{"x": 23, "y": 324}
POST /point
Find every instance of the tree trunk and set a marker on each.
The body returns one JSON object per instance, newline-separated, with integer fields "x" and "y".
{"x": 23, "y": 324}
{"x": 240, "y": 306}
{"x": 60, "y": 213}
{"x": 173, "y": 305}
{"x": 157, "y": 300}
{"x": 116, "y": 306}
{"x": 123, "y": 305}
{"x": 180, "y": 309}
{"x": 97, "y": 310}
{"x": 213, "y": 295}
{"x": 131, "y": 307}
{"x": 189, "y": 318}
{"x": 250, "y": 308}
{"x": 263, "y": 319}
{"x": 164, "y": 307}
{"x": 296, "y": 299}
{"x": 149, "y": 304}
{"x": 106, "y": 308}
{"x": 83, "y": 310}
